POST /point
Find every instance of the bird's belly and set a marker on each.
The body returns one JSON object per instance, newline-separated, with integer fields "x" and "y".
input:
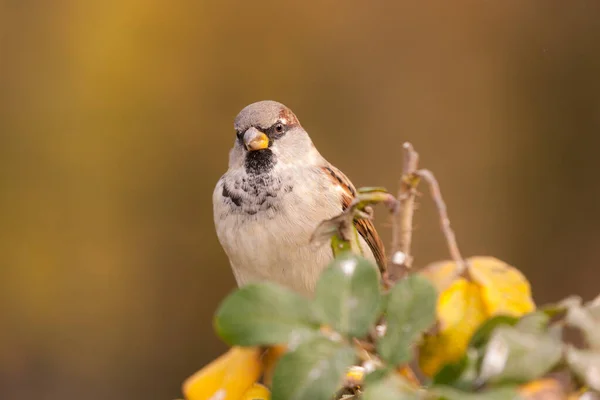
{"x": 277, "y": 250}
{"x": 267, "y": 238}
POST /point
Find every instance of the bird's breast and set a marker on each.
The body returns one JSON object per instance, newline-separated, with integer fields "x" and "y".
{"x": 264, "y": 223}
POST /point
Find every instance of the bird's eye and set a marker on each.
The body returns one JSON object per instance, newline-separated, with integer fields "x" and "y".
{"x": 279, "y": 128}
{"x": 238, "y": 134}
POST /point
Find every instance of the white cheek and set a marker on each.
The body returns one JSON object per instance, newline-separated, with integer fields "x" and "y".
{"x": 313, "y": 156}
{"x": 236, "y": 156}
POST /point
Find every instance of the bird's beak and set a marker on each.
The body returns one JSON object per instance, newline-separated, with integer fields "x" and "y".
{"x": 255, "y": 140}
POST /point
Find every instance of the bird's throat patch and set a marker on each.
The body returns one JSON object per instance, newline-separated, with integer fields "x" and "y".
{"x": 259, "y": 161}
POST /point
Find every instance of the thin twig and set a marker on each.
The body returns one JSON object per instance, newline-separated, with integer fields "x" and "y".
{"x": 411, "y": 161}
{"x": 402, "y": 219}
{"x": 436, "y": 194}
{"x": 364, "y": 345}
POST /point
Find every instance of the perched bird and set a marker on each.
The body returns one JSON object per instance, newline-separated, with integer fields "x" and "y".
{"x": 277, "y": 190}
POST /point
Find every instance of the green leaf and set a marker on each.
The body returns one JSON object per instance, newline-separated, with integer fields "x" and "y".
{"x": 485, "y": 330}
{"x": 339, "y": 232}
{"x": 535, "y": 322}
{"x": 585, "y": 364}
{"x": 340, "y": 246}
{"x": 392, "y": 387}
{"x": 586, "y": 320}
{"x": 377, "y": 375}
{"x": 371, "y": 189}
{"x": 385, "y": 297}
{"x": 515, "y": 356}
{"x": 461, "y": 374}
{"x": 348, "y": 295}
{"x": 501, "y": 393}
{"x": 451, "y": 372}
{"x": 410, "y": 311}
{"x": 265, "y": 314}
{"x": 313, "y": 371}
{"x": 555, "y": 309}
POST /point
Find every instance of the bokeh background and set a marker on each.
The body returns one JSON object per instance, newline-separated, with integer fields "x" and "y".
{"x": 116, "y": 120}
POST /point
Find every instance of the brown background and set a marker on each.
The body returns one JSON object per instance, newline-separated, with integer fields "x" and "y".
{"x": 116, "y": 119}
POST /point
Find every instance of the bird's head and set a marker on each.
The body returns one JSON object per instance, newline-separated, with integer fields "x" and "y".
{"x": 267, "y": 132}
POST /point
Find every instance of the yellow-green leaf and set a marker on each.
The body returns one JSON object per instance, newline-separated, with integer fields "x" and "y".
{"x": 460, "y": 311}
{"x": 504, "y": 289}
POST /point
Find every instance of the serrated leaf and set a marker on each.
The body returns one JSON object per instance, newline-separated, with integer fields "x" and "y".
{"x": 348, "y": 295}
{"x": 313, "y": 371}
{"x": 265, "y": 314}
{"x": 501, "y": 393}
{"x": 586, "y": 365}
{"x": 515, "y": 356}
{"x": 390, "y": 387}
{"x": 410, "y": 311}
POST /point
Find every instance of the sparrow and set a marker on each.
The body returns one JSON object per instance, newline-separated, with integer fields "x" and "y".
{"x": 277, "y": 190}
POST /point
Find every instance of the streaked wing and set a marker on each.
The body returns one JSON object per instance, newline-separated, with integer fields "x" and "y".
{"x": 365, "y": 227}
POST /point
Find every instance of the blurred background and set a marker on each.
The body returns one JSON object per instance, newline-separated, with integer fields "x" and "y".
{"x": 116, "y": 121}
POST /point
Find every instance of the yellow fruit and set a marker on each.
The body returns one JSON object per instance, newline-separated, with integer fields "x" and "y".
{"x": 542, "y": 389}
{"x": 407, "y": 373}
{"x": 257, "y": 392}
{"x": 504, "y": 289}
{"x": 488, "y": 287}
{"x": 227, "y": 377}
{"x": 441, "y": 274}
{"x": 270, "y": 358}
{"x": 460, "y": 311}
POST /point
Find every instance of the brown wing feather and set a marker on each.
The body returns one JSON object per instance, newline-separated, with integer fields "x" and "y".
{"x": 365, "y": 227}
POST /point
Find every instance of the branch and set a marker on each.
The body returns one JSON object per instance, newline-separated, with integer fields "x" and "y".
{"x": 436, "y": 194}
{"x": 402, "y": 219}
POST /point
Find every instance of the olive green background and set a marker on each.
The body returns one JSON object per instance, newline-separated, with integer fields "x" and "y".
{"x": 116, "y": 121}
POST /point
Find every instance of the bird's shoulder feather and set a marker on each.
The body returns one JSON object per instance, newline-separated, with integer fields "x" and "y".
{"x": 364, "y": 227}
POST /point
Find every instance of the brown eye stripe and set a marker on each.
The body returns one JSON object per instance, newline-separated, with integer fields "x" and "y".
{"x": 287, "y": 115}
